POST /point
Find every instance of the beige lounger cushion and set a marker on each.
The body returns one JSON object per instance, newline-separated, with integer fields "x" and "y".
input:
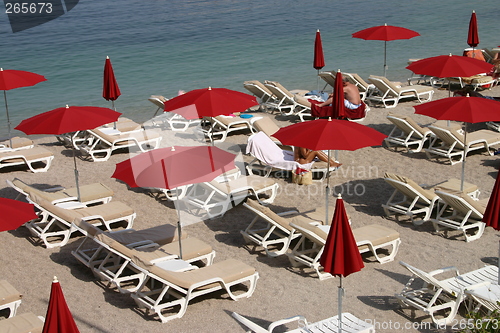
{"x": 191, "y": 248}
{"x": 376, "y": 234}
{"x": 140, "y": 136}
{"x": 302, "y": 100}
{"x": 479, "y": 205}
{"x": 29, "y": 154}
{"x": 272, "y": 215}
{"x": 23, "y": 323}
{"x": 266, "y": 125}
{"x": 489, "y": 136}
{"x": 8, "y": 293}
{"x": 162, "y": 234}
{"x": 412, "y": 123}
{"x": 17, "y": 142}
{"x": 228, "y": 270}
{"x": 426, "y": 193}
{"x": 305, "y": 223}
{"x": 257, "y": 182}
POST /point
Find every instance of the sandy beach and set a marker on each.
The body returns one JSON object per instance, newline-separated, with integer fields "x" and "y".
{"x": 282, "y": 291}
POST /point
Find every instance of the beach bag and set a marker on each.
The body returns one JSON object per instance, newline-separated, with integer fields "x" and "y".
{"x": 302, "y": 177}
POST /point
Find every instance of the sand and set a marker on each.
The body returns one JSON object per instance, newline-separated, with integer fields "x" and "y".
{"x": 282, "y": 291}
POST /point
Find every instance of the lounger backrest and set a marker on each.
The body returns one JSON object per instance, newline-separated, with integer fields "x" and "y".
{"x": 463, "y": 203}
{"x": 29, "y": 154}
{"x": 302, "y": 101}
{"x": 355, "y": 79}
{"x": 408, "y": 187}
{"x": 427, "y": 277}
{"x": 312, "y": 232}
{"x": 112, "y": 244}
{"x": 68, "y": 215}
{"x": 406, "y": 124}
{"x": 266, "y": 125}
{"x": 30, "y": 191}
{"x": 87, "y": 228}
{"x": 384, "y": 85}
{"x": 257, "y": 88}
{"x": 277, "y": 89}
{"x": 450, "y": 137}
{"x": 328, "y": 77}
{"x": 267, "y": 214}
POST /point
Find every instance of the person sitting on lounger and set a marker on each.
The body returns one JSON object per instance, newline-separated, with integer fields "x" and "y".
{"x": 354, "y": 106}
{"x": 305, "y": 156}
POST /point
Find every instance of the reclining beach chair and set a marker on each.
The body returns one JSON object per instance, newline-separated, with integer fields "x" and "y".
{"x": 414, "y": 200}
{"x": 175, "y": 121}
{"x": 166, "y": 291}
{"x": 268, "y": 157}
{"x": 10, "y": 298}
{"x": 452, "y": 144}
{"x": 441, "y": 298}
{"x": 101, "y": 143}
{"x": 264, "y": 96}
{"x": 96, "y": 193}
{"x": 221, "y": 126}
{"x": 268, "y": 229}
{"x": 287, "y": 105}
{"x": 407, "y": 133}
{"x": 17, "y": 144}
{"x": 363, "y": 87}
{"x": 26, "y": 322}
{"x": 460, "y": 212}
{"x": 37, "y": 159}
{"x": 389, "y": 94}
{"x": 54, "y": 226}
{"x": 370, "y": 238}
{"x": 215, "y": 198}
{"x": 331, "y": 325}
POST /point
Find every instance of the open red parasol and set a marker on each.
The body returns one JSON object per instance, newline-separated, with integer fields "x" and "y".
{"x": 449, "y": 66}
{"x": 15, "y": 214}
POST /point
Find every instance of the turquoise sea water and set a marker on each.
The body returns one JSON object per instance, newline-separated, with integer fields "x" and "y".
{"x": 161, "y": 46}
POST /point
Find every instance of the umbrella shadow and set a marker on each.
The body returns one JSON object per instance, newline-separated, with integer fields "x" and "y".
{"x": 258, "y": 321}
{"x": 490, "y": 260}
{"x": 355, "y": 193}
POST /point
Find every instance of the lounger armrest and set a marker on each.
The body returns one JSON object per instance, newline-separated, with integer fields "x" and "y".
{"x": 249, "y": 324}
{"x": 289, "y": 212}
{"x": 477, "y": 285}
{"x": 302, "y": 321}
{"x": 168, "y": 257}
{"x": 144, "y": 244}
{"x": 443, "y": 270}
{"x": 55, "y": 189}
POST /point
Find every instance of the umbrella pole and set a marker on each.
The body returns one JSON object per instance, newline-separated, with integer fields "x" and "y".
{"x": 8, "y": 118}
{"x": 385, "y": 58}
{"x": 327, "y": 190}
{"x": 340, "y": 295}
{"x": 465, "y": 157}
{"x": 317, "y": 81}
{"x": 114, "y": 109}
{"x": 179, "y": 227}
{"x": 76, "y": 175}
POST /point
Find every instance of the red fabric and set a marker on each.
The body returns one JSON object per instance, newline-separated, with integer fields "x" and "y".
{"x": 338, "y": 97}
{"x": 329, "y": 134}
{"x": 172, "y": 167}
{"x": 209, "y": 102}
{"x": 15, "y": 213}
{"x": 466, "y": 109}
{"x": 341, "y": 254}
{"x": 473, "y": 37}
{"x": 492, "y": 213}
{"x": 319, "y": 59}
{"x": 357, "y": 113}
{"x": 12, "y": 79}
{"x": 58, "y": 318}
{"x": 110, "y": 89}
{"x": 476, "y": 54}
{"x": 385, "y": 32}
{"x": 449, "y": 66}
{"x": 68, "y": 119}
{"x": 321, "y": 111}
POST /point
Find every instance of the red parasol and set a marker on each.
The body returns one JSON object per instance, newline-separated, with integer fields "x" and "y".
{"x": 209, "y": 102}
{"x": 338, "y": 111}
{"x": 492, "y": 213}
{"x": 15, "y": 214}
{"x": 12, "y": 79}
{"x": 319, "y": 59}
{"x": 341, "y": 255}
{"x": 473, "y": 37}
{"x": 66, "y": 120}
{"x": 59, "y": 318}
{"x": 385, "y": 33}
{"x": 110, "y": 89}
{"x": 449, "y": 66}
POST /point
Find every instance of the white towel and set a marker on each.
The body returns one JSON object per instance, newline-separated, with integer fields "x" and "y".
{"x": 264, "y": 149}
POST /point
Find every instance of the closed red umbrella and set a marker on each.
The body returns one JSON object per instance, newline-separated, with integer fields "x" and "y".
{"x": 209, "y": 102}
{"x": 473, "y": 36}
{"x": 338, "y": 97}
{"x": 12, "y": 79}
{"x": 385, "y": 33}
{"x": 66, "y": 120}
{"x": 110, "y": 89}
{"x": 491, "y": 215}
{"x": 172, "y": 167}
{"x": 341, "y": 255}
{"x": 319, "y": 58}
{"x": 59, "y": 318}
{"x": 449, "y": 66}
{"x": 15, "y": 214}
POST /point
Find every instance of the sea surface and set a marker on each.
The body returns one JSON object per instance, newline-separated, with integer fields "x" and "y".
{"x": 163, "y": 46}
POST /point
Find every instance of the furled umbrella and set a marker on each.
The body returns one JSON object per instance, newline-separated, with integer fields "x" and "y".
{"x": 329, "y": 134}
{"x": 491, "y": 215}
{"x": 172, "y": 167}
{"x": 110, "y": 89}
{"x": 59, "y": 318}
{"x": 465, "y": 109}
{"x": 15, "y": 214}
{"x": 338, "y": 98}
{"x": 12, "y": 79}
{"x": 473, "y": 36}
{"x": 341, "y": 255}
{"x": 68, "y": 119}
{"x": 319, "y": 58}
{"x": 385, "y": 33}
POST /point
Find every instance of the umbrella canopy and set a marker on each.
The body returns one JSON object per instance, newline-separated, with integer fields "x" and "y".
{"x": 15, "y": 214}
{"x": 59, "y": 318}
{"x": 334, "y": 134}
{"x": 385, "y": 33}
{"x": 110, "y": 89}
{"x": 209, "y": 102}
{"x": 449, "y": 66}
{"x": 12, "y": 79}
{"x": 172, "y": 167}
{"x": 338, "y": 97}
{"x": 319, "y": 58}
{"x": 68, "y": 119}
{"x": 473, "y": 37}
{"x": 492, "y": 213}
